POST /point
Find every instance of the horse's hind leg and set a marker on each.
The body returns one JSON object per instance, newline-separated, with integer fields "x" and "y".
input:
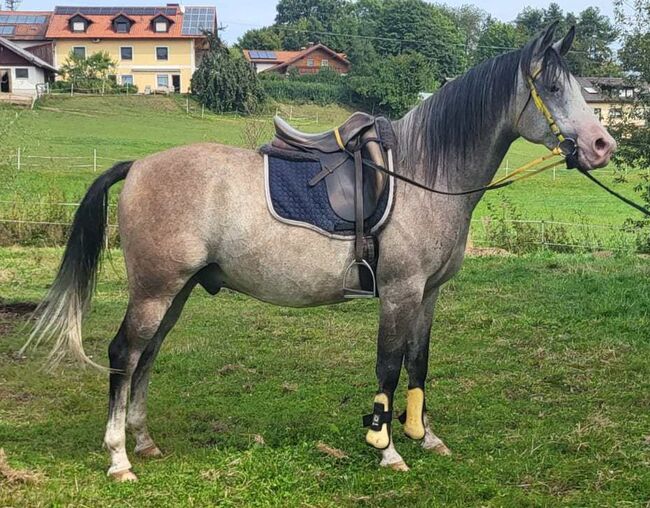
{"x": 137, "y": 411}
{"x": 141, "y": 323}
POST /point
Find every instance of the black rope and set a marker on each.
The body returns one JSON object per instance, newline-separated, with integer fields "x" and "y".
{"x": 431, "y": 189}
{"x": 615, "y": 194}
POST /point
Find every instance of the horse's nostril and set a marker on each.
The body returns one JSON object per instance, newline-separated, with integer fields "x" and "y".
{"x": 601, "y": 145}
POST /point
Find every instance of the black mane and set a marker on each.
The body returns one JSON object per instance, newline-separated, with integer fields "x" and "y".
{"x": 459, "y": 114}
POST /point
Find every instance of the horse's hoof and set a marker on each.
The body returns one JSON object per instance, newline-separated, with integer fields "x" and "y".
{"x": 124, "y": 476}
{"x": 397, "y": 466}
{"x": 437, "y": 447}
{"x": 151, "y": 452}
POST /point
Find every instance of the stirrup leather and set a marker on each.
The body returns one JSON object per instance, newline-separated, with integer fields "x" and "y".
{"x": 413, "y": 417}
{"x": 378, "y": 435}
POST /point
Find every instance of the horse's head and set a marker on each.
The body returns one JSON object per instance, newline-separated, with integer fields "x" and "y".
{"x": 548, "y": 94}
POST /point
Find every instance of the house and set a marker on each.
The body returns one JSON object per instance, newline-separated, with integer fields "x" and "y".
{"x": 27, "y": 30}
{"x": 613, "y": 98}
{"x": 21, "y": 71}
{"x": 155, "y": 48}
{"x": 307, "y": 61}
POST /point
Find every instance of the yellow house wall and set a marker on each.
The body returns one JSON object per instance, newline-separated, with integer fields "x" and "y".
{"x": 144, "y": 67}
{"x": 605, "y": 112}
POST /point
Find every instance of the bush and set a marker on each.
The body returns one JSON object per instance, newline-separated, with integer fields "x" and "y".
{"x": 299, "y": 91}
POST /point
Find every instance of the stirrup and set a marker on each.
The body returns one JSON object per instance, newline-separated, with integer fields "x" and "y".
{"x": 350, "y": 292}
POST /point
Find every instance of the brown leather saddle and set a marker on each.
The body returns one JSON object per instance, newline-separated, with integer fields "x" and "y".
{"x": 354, "y": 189}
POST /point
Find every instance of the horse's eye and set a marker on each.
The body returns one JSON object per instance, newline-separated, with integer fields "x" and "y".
{"x": 554, "y": 88}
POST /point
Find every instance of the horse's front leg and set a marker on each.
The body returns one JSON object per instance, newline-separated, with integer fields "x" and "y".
{"x": 400, "y": 305}
{"x": 416, "y": 423}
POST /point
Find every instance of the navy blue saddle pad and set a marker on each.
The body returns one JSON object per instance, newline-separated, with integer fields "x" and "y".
{"x": 292, "y": 200}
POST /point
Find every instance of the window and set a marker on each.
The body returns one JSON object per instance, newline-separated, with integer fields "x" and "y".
{"x": 78, "y": 26}
{"x": 324, "y": 63}
{"x": 122, "y": 27}
{"x": 79, "y": 51}
{"x": 162, "y": 53}
{"x": 626, "y": 93}
{"x": 599, "y": 113}
{"x": 162, "y": 81}
{"x": 161, "y": 26}
{"x": 310, "y": 62}
{"x": 127, "y": 79}
{"x": 22, "y": 73}
{"x": 616, "y": 113}
{"x": 126, "y": 53}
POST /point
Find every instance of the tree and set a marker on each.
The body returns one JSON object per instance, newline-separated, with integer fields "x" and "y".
{"x": 415, "y": 26}
{"x": 497, "y": 38}
{"x": 634, "y": 140}
{"x": 472, "y": 22}
{"x": 224, "y": 81}
{"x": 91, "y": 72}
{"x": 325, "y": 11}
{"x": 268, "y": 38}
{"x": 393, "y": 83}
{"x": 592, "y": 53}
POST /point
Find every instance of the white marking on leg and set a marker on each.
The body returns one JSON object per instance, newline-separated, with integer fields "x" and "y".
{"x": 433, "y": 442}
{"x": 115, "y": 438}
{"x": 390, "y": 458}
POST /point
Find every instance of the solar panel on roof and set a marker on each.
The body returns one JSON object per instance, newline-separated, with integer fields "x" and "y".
{"x": 22, "y": 19}
{"x": 112, "y": 11}
{"x": 198, "y": 19}
{"x": 7, "y": 29}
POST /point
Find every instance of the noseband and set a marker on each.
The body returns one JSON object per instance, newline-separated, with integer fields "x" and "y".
{"x": 566, "y": 146}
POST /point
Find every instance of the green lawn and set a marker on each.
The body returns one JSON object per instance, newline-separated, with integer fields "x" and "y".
{"x": 543, "y": 395}
{"x": 130, "y": 127}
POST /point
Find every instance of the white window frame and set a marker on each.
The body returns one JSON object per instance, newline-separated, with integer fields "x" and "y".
{"x": 310, "y": 62}
{"x": 21, "y": 69}
{"x": 80, "y": 47}
{"x": 126, "y": 59}
{"x": 158, "y": 85}
{"x": 324, "y": 62}
{"x": 76, "y": 24}
{"x": 156, "y": 53}
{"x": 164, "y": 24}
{"x": 126, "y": 76}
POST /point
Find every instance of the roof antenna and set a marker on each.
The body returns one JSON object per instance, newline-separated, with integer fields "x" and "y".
{"x": 12, "y": 5}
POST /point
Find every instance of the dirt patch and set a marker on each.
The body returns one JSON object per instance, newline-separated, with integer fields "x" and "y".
{"x": 11, "y": 475}
{"x": 487, "y": 251}
{"x": 12, "y": 312}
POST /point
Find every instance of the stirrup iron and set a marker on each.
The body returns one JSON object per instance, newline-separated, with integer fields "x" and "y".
{"x": 352, "y": 292}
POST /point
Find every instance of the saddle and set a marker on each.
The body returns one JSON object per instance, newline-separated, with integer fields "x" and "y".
{"x": 354, "y": 189}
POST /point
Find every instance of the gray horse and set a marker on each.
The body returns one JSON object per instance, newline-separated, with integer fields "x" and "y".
{"x": 198, "y": 215}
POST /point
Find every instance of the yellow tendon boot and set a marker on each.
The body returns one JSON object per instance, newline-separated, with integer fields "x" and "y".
{"x": 378, "y": 435}
{"x": 414, "y": 421}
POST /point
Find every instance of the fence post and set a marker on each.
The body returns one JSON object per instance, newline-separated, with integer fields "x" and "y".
{"x": 94, "y": 160}
{"x": 543, "y": 225}
{"x": 187, "y": 105}
{"x": 202, "y": 110}
{"x": 554, "y": 168}
{"x": 18, "y": 159}
{"x": 71, "y": 89}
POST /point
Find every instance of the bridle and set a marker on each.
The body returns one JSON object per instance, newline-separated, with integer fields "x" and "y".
{"x": 566, "y": 146}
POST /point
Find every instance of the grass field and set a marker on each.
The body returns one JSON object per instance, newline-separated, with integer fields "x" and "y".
{"x": 130, "y": 127}
{"x": 543, "y": 396}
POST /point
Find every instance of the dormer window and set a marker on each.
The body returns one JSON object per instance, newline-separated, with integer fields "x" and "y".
{"x": 160, "y": 24}
{"x": 122, "y": 24}
{"x": 78, "y": 23}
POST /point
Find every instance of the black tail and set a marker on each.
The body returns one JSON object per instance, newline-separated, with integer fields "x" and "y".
{"x": 60, "y": 313}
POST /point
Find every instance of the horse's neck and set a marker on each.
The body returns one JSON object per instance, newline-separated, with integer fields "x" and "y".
{"x": 474, "y": 169}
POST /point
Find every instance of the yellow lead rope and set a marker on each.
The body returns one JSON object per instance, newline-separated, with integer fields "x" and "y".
{"x": 556, "y": 152}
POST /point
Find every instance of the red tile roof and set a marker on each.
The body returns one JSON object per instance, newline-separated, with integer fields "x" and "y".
{"x": 101, "y": 27}
{"x": 284, "y": 58}
{"x": 25, "y": 31}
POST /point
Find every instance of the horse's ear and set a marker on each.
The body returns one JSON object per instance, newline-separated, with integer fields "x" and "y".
{"x": 539, "y": 46}
{"x": 564, "y": 45}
